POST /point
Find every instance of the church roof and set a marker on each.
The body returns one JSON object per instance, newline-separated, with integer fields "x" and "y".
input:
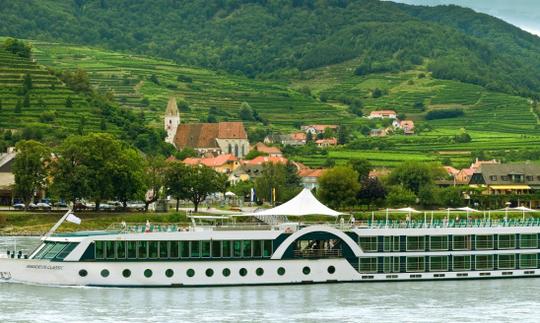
{"x": 204, "y": 135}
{"x": 172, "y": 109}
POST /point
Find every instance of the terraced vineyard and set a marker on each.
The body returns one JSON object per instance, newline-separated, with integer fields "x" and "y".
{"x": 48, "y": 106}
{"x": 129, "y": 77}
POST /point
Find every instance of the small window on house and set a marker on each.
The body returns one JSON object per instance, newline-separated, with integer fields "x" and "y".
{"x": 504, "y": 178}
{"x": 538, "y": 178}
{"x": 493, "y": 177}
{"x": 530, "y": 178}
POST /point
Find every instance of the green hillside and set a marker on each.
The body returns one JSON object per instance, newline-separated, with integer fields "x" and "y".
{"x": 280, "y": 38}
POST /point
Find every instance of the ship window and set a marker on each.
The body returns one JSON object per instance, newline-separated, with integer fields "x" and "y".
{"x": 528, "y": 241}
{"x": 142, "y": 248}
{"x": 243, "y": 272}
{"x": 391, "y": 265}
{"x": 109, "y": 249}
{"x": 507, "y": 241}
{"x": 484, "y": 242}
{"x": 246, "y": 248}
{"x": 173, "y": 250}
{"x": 83, "y": 273}
{"x": 416, "y": 243}
{"x": 105, "y": 273}
{"x": 100, "y": 250}
{"x": 226, "y": 272}
{"x": 306, "y": 270}
{"x": 121, "y": 249}
{"x": 66, "y": 251}
{"x": 195, "y": 249}
{"x": 367, "y": 265}
{"x": 387, "y": 243}
{"x": 216, "y": 249}
{"x": 259, "y": 271}
{"x": 190, "y": 272}
{"x": 461, "y": 242}
{"x": 163, "y": 249}
{"x": 397, "y": 244}
{"x": 506, "y": 261}
{"x": 209, "y": 272}
{"x": 47, "y": 246}
{"x": 483, "y": 262}
{"x": 461, "y": 263}
{"x": 438, "y": 263}
{"x": 148, "y": 273}
{"x": 267, "y": 248}
{"x": 415, "y": 264}
{"x": 237, "y": 248}
{"x": 331, "y": 270}
{"x": 438, "y": 243}
{"x": 126, "y": 273}
{"x": 205, "y": 248}
{"x": 257, "y": 248}
{"x": 528, "y": 260}
{"x": 184, "y": 249}
{"x": 368, "y": 244}
{"x": 153, "y": 249}
{"x": 169, "y": 273}
{"x": 226, "y": 248}
{"x": 54, "y": 250}
{"x": 132, "y": 249}
{"x": 281, "y": 271}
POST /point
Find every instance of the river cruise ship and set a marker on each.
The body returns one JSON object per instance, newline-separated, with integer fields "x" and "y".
{"x": 280, "y": 252}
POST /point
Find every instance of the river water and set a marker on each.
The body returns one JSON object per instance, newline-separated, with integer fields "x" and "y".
{"x": 442, "y": 301}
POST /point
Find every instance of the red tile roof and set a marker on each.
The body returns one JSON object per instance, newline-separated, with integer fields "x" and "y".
{"x": 266, "y": 159}
{"x": 298, "y": 136}
{"x": 308, "y": 172}
{"x": 379, "y": 112}
{"x": 266, "y": 149}
{"x": 330, "y": 141}
{"x": 211, "y": 162}
{"x": 204, "y": 135}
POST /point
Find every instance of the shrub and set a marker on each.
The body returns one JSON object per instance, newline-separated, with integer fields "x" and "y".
{"x": 444, "y": 114}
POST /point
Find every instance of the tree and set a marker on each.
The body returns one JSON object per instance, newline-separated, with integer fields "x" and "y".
{"x": 154, "y": 178}
{"x": 30, "y": 169}
{"x": 128, "y": 176}
{"x": 413, "y": 175}
{"x": 175, "y": 181}
{"x": 246, "y": 112}
{"x": 254, "y": 153}
{"x": 309, "y": 137}
{"x": 400, "y": 196}
{"x": 202, "y": 181}
{"x": 18, "y": 106}
{"x": 27, "y": 83}
{"x": 371, "y": 191}
{"x": 26, "y": 100}
{"x": 18, "y": 47}
{"x": 69, "y": 102}
{"x": 362, "y": 167}
{"x": 278, "y": 178}
{"x": 339, "y": 186}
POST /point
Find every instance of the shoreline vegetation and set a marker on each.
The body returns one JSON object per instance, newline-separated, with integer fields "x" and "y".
{"x": 20, "y": 223}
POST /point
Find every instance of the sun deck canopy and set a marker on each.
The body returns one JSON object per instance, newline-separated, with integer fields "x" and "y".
{"x": 302, "y": 204}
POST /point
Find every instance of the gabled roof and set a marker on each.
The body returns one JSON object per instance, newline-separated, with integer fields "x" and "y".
{"x": 308, "y": 172}
{"x": 217, "y": 161}
{"x": 383, "y": 112}
{"x": 266, "y": 159}
{"x": 266, "y": 149}
{"x": 330, "y": 141}
{"x": 498, "y": 170}
{"x": 204, "y": 135}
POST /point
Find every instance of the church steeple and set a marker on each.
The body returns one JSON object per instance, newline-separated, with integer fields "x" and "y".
{"x": 172, "y": 120}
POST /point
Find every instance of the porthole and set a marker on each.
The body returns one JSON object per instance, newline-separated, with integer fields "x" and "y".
{"x": 126, "y": 273}
{"x": 243, "y": 272}
{"x": 83, "y": 273}
{"x": 259, "y": 271}
{"x": 148, "y": 273}
{"x": 331, "y": 269}
{"x": 306, "y": 270}
{"x": 190, "y": 272}
{"x": 226, "y": 272}
{"x": 209, "y": 272}
{"x": 169, "y": 273}
{"x": 281, "y": 271}
{"x": 105, "y": 273}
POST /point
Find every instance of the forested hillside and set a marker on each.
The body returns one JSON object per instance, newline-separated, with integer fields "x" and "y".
{"x": 277, "y": 38}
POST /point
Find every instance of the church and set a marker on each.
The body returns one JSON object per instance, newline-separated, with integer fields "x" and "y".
{"x": 206, "y": 138}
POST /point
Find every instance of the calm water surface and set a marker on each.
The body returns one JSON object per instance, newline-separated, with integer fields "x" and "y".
{"x": 461, "y": 301}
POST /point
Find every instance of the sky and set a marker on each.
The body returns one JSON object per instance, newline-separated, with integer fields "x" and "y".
{"x": 523, "y": 13}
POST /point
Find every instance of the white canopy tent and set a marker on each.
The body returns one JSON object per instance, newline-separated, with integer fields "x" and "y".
{"x": 302, "y": 204}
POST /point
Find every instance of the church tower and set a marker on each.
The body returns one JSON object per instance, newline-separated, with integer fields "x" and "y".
{"x": 172, "y": 120}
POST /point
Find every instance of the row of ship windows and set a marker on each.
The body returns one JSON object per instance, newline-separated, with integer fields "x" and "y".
{"x": 118, "y": 250}
{"x": 447, "y": 263}
{"x": 454, "y": 242}
{"x": 209, "y": 272}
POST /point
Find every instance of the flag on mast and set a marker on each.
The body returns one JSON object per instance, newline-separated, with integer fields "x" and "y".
{"x": 73, "y": 219}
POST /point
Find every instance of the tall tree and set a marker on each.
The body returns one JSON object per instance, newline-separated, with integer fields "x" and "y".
{"x": 175, "y": 181}
{"x": 30, "y": 169}
{"x": 277, "y": 181}
{"x": 339, "y": 186}
{"x": 362, "y": 167}
{"x": 202, "y": 181}
{"x": 414, "y": 175}
{"x": 128, "y": 176}
{"x": 155, "y": 177}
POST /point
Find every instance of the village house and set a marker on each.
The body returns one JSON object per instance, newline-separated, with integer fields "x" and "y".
{"x": 406, "y": 125}
{"x": 317, "y": 128}
{"x": 322, "y": 143}
{"x": 464, "y": 175}
{"x": 382, "y": 132}
{"x": 508, "y": 179}
{"x": 206, "y": 138}
{"x": 383, "y": 114}
{"x": 310, "y": 177}
{"x": 225, "y": 164}
{"x": 7, "y": 178}
{"x": 251, "y": 169}
{"x": 270, "y": 151}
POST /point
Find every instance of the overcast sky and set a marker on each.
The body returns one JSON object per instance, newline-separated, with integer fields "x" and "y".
{"x": 522, "y": 13}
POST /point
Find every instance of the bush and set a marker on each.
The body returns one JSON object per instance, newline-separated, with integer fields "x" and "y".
{"x": 444, "y": 114}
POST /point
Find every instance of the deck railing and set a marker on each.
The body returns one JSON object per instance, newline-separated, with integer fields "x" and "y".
{"x": 318, "y": 253}
{"x": 472, "y": 223}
